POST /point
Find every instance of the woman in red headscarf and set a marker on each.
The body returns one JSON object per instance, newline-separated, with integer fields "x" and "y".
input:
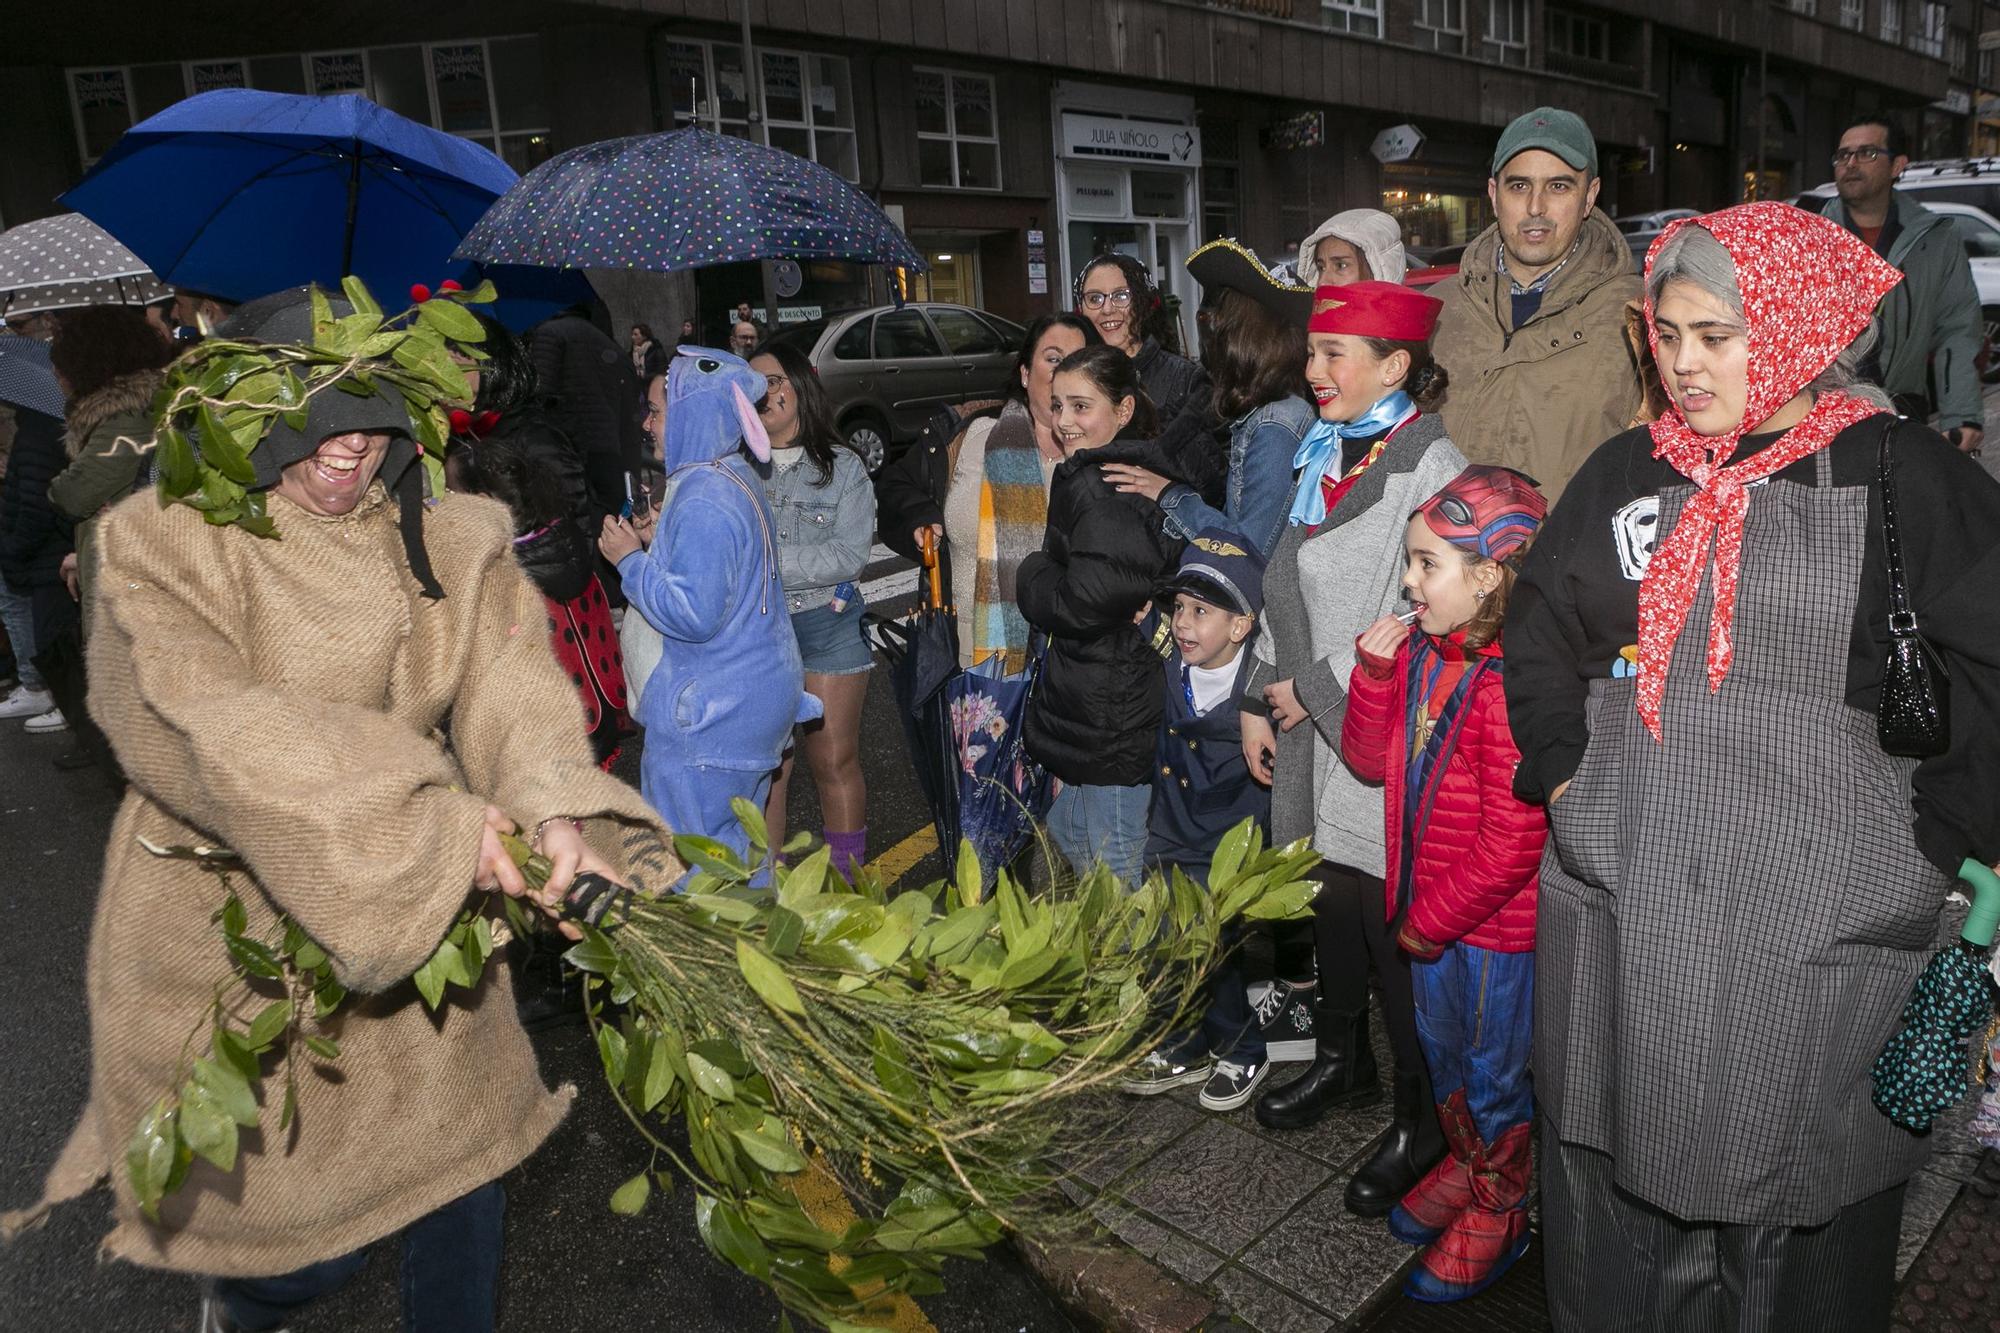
{"x": 1742, "y": 886}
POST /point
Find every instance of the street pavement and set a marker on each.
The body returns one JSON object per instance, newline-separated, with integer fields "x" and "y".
{"x": 570, "y": 1265}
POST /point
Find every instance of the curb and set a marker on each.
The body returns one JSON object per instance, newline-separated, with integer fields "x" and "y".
{"x": 1110, "y": 1287}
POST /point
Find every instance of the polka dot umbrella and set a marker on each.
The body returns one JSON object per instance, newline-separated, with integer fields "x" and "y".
{"x": 680, "y": 200}
{"x": 67, "y": 261}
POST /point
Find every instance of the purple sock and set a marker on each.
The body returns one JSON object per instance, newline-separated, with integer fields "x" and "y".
{"x": 847, "y": 849}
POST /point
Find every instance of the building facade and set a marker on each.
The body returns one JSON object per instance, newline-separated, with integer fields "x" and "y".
{"x": 1015, "y": 138}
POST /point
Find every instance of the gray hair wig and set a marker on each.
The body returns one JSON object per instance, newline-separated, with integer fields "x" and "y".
{"x": 1695, "y": 257}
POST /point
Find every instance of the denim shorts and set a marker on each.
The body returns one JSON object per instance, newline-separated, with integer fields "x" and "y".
{"x": 830, "y": 641}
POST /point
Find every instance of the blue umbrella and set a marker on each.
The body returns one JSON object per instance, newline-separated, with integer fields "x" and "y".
{"x": 684, "y": 199}
{"x": 26, "y": 378}
{"x": 238, "y": 193}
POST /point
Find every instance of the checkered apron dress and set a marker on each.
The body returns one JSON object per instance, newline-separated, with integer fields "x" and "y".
{"x": 1731, "y": 921}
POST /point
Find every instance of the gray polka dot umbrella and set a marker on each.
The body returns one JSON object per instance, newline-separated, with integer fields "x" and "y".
{"x": 66, "y": 261}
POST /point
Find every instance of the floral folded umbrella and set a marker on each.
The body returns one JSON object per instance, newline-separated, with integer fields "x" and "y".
{"x": 1924, "y": 1069}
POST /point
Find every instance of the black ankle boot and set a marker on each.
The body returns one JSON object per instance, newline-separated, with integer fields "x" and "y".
{"x": 1342, "y": 1074}
{"x": 1398, "y": 1159}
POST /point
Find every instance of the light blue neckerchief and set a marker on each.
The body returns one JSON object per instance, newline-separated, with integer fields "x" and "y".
{"x": 1319, "y": 452}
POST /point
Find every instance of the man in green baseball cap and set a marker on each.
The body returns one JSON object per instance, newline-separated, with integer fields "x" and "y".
{"x": 1533, "y": 327}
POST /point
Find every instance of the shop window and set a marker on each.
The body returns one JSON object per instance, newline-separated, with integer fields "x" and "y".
{"x": 101, "y": 102}
{"x": 1440, "y": 25}
{"x": 1506, "y": 38}
{"x": 205, "y": 76}
{"x": 155, "y": 88}
{"x": 1850, "y": 14}
{"x": 1363, "y": 18}
{"x": 464, "y": 93}
{"x": 902, "y": 335}
{"x": 1159, "y": 194}
{"x": 1927, "y": 38}
{"x": 401, "y": 83}
{"x": 807, "y": 100}
{"x": 337, "y": 72}
{"x": 958, "y": 139}
{"x": 1221, "y": 179}
{"x": 1892, "y": 21}
{"x": 279, "y": 74}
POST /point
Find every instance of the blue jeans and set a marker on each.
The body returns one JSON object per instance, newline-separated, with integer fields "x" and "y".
{"x": 1475, "y": 1011}
{"x": 1090, "y": 824}
{"x": 17, "y": 613}
{"x": 451, "y": 1273}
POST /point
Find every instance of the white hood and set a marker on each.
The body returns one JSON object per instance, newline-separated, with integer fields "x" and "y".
{"x": 1374, "y": 233}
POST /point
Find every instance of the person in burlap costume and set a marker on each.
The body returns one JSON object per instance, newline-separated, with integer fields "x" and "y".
{"x": 291, "y": 699}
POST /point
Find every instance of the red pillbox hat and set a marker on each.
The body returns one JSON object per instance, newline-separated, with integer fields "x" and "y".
{"x": 1375, "y": 310}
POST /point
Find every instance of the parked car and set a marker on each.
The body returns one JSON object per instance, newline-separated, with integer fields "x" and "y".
{"x": 1655, "y": 221}
{"x": 887, "y": 369}
{"x": 1961, "y": 180}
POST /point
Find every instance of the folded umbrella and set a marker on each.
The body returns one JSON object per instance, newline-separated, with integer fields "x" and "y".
{"x": 67, "y": 261}
{"x": 679, "y": 200}
{"x": 1924, "y": 1069}
{"x": 1003, "y": 794}
{"x": 26, "y": 378}
{"x": 238, "y": 193}
{"x": 923, "y": 656}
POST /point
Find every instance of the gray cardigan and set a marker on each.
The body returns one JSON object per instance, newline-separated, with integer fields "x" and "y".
{"x": 1320, "y": 591}
{"x": 824, "y": 532}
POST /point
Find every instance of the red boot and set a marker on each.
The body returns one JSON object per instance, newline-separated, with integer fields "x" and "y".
{"x": 1484, "y": 1240}
{"x": 1446, "y": 1190}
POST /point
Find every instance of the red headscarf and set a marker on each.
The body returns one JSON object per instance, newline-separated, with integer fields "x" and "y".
{"x": 1809, "y": 288}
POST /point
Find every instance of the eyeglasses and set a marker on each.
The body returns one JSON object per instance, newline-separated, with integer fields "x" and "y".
{"x": 1117, "y": 300}
{"x": 775, "y": 382}
{"x": 1866, "y": 153}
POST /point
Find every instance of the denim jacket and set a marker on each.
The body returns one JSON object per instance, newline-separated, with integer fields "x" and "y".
{"x": 1262, "y": 444}
{"x": 824, "y": 533}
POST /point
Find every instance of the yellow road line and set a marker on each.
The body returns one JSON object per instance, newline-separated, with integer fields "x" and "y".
{"x": 895, "y": 863}
{"x": 826, "y": 1204}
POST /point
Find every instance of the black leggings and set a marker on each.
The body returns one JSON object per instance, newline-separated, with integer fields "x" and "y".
{"x": 1350, "y": 931}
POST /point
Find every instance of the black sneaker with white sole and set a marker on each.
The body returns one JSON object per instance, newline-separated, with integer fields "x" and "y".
{"x": 1233, "y": 1084}
{"x": 1166, "y": 1068}
{"x": 1285, "y": 1021}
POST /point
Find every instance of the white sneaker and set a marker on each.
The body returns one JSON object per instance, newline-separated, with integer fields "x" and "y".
{"x": 52, "y": 720}
{"x": 24, "y": 702}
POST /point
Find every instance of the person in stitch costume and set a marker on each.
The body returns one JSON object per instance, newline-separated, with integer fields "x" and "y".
{"x": 720, "y": 706}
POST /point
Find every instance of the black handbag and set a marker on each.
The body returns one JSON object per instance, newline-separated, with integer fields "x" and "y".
{"x": 1913, "y": 713}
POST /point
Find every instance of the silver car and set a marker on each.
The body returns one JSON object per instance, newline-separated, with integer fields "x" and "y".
{"x": 888, "y": 369}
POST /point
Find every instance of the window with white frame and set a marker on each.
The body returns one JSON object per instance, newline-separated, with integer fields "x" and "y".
{"x": 1440, "y": 25}
{"x": 1927, "y": 38}
{"x": 958, "y": 129}
{"x": 1506, "y": 38}
{"x": 1808, "y": 7}
{"x": 1892, "y": 21}
{"x": 1958, "y": 50}
{"x": 489, "y": 90}
{"x": 1363, "y": 18}
{"x": 1851, "y": 16}
{"x": 807, "y": 101}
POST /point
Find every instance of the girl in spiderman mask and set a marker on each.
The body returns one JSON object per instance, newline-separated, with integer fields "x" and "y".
{"x": 1427, "y": 718}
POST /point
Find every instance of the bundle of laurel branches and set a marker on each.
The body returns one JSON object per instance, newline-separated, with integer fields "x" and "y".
{"x": 936, "y": 1050}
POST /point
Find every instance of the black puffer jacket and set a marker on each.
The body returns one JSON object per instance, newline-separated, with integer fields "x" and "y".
{"x": 910, "y": 489}
{"x": 594, "y": 398}
{"x": 1097, "y": 705}
{"x": 34, "y": 534}
{"x": 1194, "y": 437}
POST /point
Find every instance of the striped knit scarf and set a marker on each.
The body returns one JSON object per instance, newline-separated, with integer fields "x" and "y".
{"x": 1013, "y": 514}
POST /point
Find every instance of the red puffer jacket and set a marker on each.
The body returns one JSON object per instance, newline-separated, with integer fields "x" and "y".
{"x": 1475, "y": 870}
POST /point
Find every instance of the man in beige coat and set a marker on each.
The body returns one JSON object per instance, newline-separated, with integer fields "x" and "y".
{"x": 1532, "y": 332}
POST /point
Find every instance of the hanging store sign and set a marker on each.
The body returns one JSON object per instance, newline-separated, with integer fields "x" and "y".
{"x": 1398, "y": 143}
{"x": 1109, "y": 137}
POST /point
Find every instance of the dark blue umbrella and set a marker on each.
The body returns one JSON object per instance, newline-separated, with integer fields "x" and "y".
{"x": 685, "y": 199}
{"x": 238, "y": 193}
{"x": 527, "y": 296}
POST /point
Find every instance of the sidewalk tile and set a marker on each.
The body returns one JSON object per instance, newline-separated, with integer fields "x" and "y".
{"x": 1336, "y": 1140}
{"x": 1223, "y": 1186}
{"x": 1156, "y": 1242}
{"x": 1326, "y": 1254}
{"x": 1149, "y": 1125}
{"x": 1264, "y": 1307}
